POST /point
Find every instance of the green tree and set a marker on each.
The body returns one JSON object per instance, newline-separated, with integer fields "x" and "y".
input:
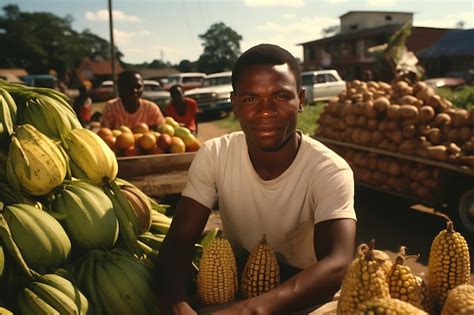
{"x": 186, "y": 66}
{"x": 41, "y": 41}
{"x": 221, "y": 48}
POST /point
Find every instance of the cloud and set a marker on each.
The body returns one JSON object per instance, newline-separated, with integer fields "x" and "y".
{"x": 380, "y": 3}
{"x": 288, "y": 16}
{"x": 288, "y": 35}
{"x": 124, "y": 38}
{"x": 274, "y": 3}
{"x": 103, "y": 15}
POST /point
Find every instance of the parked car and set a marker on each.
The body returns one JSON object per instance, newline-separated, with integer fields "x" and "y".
{"x": 214, "y": 94}
{"x": 152, "y": 90}
{"x": 322, "y": 85}
{"x": 41, "y": 80}
{"x": 188, "y": 80}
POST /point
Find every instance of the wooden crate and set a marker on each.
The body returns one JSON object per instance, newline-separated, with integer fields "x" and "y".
{"x": 157, "y": 175}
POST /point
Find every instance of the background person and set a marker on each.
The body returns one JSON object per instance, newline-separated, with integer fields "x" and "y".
{"x": 83, "y": 104}
{"x": 297, "y": 191}
{"x": 182, "y": 109}
{"x": 129, "y": 108}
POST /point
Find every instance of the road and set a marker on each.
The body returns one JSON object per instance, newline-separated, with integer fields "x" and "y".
{"x": 387, "y": 219}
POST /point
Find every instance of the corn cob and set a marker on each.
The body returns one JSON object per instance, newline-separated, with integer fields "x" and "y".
{"x": 427, "y": 300}
{"x": 388, "y": 306}
{"x": 261, "y": 272}
{"x": 402, "y": 282}
{"x": 448, "y": 264}
{"x": 366, "y": 279}
{"x": 217, "y": 276}
{"x": 460, "y": 301}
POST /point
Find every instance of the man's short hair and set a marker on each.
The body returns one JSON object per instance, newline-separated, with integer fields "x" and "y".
{"x": 175, "y": 87}
{"x": 266, "y": 54}
{"x": 126, "y": 76}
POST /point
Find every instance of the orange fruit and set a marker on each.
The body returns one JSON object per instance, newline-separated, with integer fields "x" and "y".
{"x": 140, "y": 128}
{"x": 177, "y": 145}
{"x": 147, "y": 141}
{"x": 124, "y": 140}
{"x": 164, "y": 141}
{"x": 104, "y": 131}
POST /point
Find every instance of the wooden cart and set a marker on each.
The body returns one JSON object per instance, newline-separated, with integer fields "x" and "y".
{"x": 454, "y": 191}
{"x": 157, "y": 175}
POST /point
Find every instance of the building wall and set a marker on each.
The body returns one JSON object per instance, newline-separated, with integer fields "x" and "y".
{"x": 362, "y": 20}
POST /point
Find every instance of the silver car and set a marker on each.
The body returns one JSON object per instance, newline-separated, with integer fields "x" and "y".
{"x": 322, "y": 85}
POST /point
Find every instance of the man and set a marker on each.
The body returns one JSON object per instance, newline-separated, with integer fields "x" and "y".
{"x": 182, "y": 109}
{"x": 272, "y": 179}
{"x": 129, "y": 108}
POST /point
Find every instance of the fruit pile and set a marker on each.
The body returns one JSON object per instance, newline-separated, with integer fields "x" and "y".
{"x": 74, "y": 238}
{"x": 141, "y": 140}
{"x": 373, "y": 285}
{"x": 412, "y": 120}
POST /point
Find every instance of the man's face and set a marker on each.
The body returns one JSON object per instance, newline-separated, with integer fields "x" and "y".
{"x": 177, "y": 95}
{"x": 133, "y": 89}
{"x": 266, "y": 101}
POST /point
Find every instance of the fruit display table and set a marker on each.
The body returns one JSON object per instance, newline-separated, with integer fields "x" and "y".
{"x": 157, "y": 175}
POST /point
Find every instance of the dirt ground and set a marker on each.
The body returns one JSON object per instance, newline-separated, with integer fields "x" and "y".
{"x": 390, "y": 221}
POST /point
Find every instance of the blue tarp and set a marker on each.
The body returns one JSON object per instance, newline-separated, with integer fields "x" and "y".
{"x": 452, "y": 43}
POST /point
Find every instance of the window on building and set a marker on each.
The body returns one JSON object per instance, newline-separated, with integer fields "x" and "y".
{"x": 388, "y": 18}
{"x": 354, "y": 48}
{"x": 354, "y": 27}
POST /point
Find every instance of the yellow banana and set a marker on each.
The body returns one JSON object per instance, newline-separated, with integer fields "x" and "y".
{"x": 91, "y": 155}
{"x": 35, "y": 304}
{"x": 55, "y": 298}
{"x": 35, "y": 162}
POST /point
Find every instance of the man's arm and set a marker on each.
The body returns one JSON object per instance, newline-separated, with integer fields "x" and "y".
{"x": 334, "y": 247}
{"x": 176, "y": 253}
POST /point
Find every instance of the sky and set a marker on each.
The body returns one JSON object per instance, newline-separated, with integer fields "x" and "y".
{"x": 169, "y": 30}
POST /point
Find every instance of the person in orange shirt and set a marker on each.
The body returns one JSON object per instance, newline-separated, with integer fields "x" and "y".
{"x": 129, "y": 108}
{"x": 182, "y": 109}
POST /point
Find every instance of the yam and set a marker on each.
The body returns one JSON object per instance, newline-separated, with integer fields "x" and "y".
{"x": 392, "y": 111}
{"x": 460, "y": 118}
{"x": 442, "y": 119}
{"x": 426, "y": 114}
{"x": 409, "y": 131}
{"x": 435, "y": 136}
{"x": 408, "y": 100}
{"x": 410, "y": 145}
{"x": 376, "y": 137}
{"x": 372, "y": 124}
{"x": 438, "y": 152}
{"x": 381, "y": 104}
{"x": 408, "y": 112}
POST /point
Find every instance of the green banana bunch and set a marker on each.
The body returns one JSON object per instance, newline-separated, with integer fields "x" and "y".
{"x": 46, "y": 109}
{"x": 7, "y": 117}
{"x": 33, "y": 237}
{"x": 9, "y": 196}
{"x": 52, "y": 293}
{"x": 90, "y": 157}
{"x": 35, "y": 163}
{"x": 126, "y": 217}
{"x": 108, "y": 276}
{"x": 90, "y": 219}
{"x": 160, "y": 223}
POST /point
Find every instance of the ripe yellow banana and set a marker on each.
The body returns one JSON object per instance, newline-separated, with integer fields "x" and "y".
{"x": 34, "y": 162}
{"x": 91, "y": 155}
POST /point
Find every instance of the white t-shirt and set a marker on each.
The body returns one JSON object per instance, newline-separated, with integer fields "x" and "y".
{"x": 317, "y": 186}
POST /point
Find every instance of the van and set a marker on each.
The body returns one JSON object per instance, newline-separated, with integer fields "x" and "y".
{"x": 188, "y": 80}
{"x": 322, "y": 85}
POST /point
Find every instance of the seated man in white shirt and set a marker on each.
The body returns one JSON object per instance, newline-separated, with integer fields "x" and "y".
{"x": 269, "y": 178}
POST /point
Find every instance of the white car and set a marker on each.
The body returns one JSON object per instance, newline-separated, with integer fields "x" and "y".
{"x": 214, "y": 94}
{"x": 322, "y": 85}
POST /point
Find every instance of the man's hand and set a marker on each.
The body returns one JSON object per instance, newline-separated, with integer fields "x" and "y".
{"x": 183, "y": 308}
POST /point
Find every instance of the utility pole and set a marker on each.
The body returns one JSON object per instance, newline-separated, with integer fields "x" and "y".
{"x": 112, "y": 50}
